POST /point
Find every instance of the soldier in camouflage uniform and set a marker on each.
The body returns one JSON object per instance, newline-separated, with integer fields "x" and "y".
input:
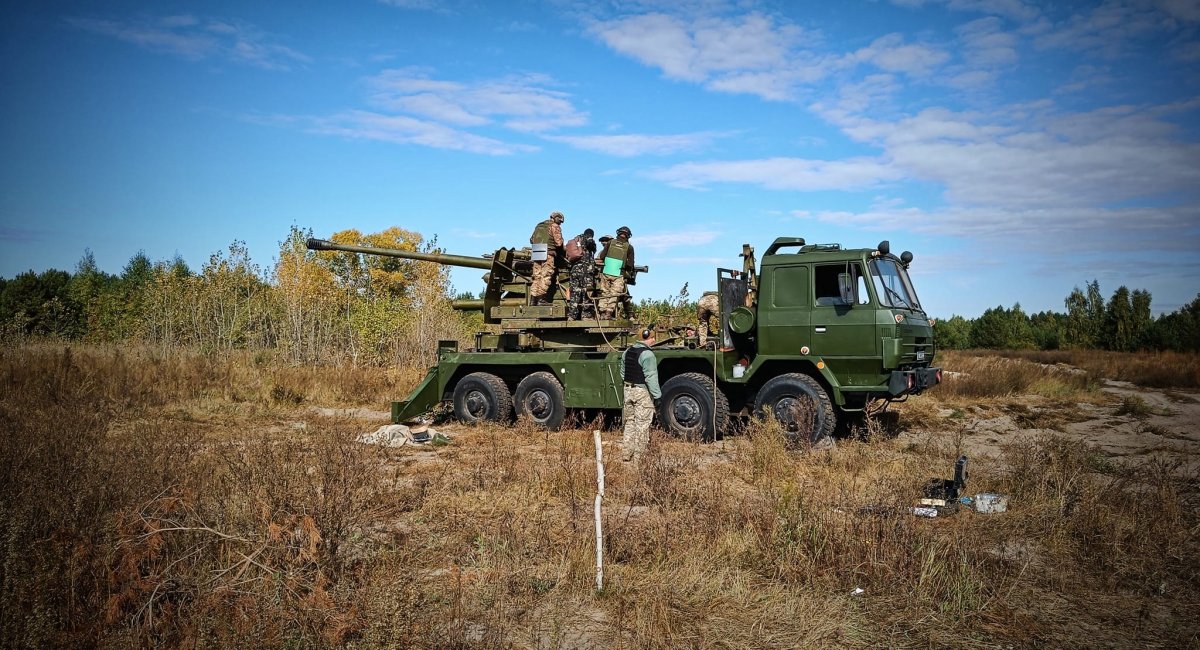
{"x": 583, "y": 275}
{"x": 548, "y": 232}
{"x": 708, "y": 307}
{"x": 612, "y": 287}
{"x": 639, "y": 370}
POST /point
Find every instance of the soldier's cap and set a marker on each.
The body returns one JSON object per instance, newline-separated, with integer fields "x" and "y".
{"x": 624, "y": 230}
{"x": 558, "y": 216}
{"x": 587, "y": 234}
{"x": 605, "y": 238}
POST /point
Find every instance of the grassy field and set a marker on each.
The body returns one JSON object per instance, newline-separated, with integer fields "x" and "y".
{"x": 193, "y": 502}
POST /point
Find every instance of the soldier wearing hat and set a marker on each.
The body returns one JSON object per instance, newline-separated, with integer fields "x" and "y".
{"x": 548, "y": 233}
{"x": 642, "y": 395}
{"x": 616, "y": 263}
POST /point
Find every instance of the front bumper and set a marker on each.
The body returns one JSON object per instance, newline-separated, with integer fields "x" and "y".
{"x": 913, "y": 382}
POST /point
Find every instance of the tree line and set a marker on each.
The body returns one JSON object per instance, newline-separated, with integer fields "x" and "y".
{"x": 310, "y": 307}
{"x": 333, "y": 307}
{"x": 1123, "y": 323}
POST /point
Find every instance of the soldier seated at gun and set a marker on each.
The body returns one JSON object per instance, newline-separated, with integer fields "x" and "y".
{"x": 617, "y": 268}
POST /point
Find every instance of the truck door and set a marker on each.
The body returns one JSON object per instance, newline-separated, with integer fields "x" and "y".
{"x": 844, "y": 334}
{"x": 784, "y": 322}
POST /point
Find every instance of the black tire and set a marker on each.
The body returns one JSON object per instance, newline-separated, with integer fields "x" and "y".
{"x": 482, "y": 397}
{"x": 539, "y": 397}
{"x": 688, "y": 408}
{"x": 787, "y": 398}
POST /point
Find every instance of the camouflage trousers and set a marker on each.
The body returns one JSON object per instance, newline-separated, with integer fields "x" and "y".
{"x": 611, "y": 291}
{"x": 708, "y": 307}
{"x": 582, "y": 275}
{"x": 543, "y": 276}
{"x": 638, "y": 413}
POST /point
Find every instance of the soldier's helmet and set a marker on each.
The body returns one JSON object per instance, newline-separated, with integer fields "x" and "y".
{"x": 624, "y": 230}
{"x": 557, "y": 217}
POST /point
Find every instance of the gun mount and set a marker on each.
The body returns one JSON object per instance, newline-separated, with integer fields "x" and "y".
{"x": 510, "y": 321}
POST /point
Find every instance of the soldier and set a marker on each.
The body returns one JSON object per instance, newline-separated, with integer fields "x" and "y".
{"x": 708, "y": 306}
{"x": 639, "y": 370}
{"x": 549, "y": 233}
{"x": 581, "y": 254}
{"x": 616, "y": 272}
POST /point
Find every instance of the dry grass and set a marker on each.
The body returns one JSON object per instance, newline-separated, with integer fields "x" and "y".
{"x": 128, "y": 521}
{"x": 1152, "y": 369}
{"x": 971, "y": 376}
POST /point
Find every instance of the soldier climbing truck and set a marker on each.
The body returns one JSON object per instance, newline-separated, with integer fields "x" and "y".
{"x": 815, "y": 334}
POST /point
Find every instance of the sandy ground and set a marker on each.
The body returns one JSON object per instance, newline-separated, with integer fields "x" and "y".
{"x": 1168, "y": 432}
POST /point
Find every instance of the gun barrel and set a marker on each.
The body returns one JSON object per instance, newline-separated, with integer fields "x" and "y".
{"x": 438, "y": 258}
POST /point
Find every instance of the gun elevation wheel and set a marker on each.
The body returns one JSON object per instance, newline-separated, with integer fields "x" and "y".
{"x": 540, "y": 398}
{"x": 482, "y": 397}
{"x": 693, "y": 408}
{"x": 800, "y": 404}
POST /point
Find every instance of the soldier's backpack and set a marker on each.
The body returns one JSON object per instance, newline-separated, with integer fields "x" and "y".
{"x": 573, "y": 251}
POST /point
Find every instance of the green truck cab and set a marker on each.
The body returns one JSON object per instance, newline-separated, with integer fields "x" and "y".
{"x": 813, "y": 334}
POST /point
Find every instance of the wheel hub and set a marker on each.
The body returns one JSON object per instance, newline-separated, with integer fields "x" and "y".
{"x": 476, "y": 403}
{"x": 686, "y": 411}
{"x": 538, "y": 405}
{"x": 791, "y": 412}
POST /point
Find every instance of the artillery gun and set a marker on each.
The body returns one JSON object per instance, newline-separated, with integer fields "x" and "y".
{"x": 812, "y": 334}
{"x": 511, "y": 322}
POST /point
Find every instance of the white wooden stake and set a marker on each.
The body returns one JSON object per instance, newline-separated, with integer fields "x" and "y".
{"x": 599, "y": 498}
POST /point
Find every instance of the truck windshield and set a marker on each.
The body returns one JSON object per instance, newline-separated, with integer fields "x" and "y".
{"x": 892, "y": 285}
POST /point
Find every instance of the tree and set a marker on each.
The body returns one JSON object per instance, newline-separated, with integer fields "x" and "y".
{"x": 953, "y": 333}
{"x": 1118, "y": 324}
{"x": 1142, "y": 319}
{"x": 40, "y": 304}
{"x": 1048, "y": 329}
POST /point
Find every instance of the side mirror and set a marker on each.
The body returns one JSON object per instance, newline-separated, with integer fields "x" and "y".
{"x": 848, "y": 288}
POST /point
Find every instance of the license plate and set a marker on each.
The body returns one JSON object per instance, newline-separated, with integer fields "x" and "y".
{"x": 920, "y": 355}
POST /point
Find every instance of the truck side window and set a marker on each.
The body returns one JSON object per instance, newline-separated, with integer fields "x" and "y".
{"x": 791, "y": 286}
{"x": 825, "y": 283}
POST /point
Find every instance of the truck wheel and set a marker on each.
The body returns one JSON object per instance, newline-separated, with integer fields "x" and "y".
{"x": 688, "y": 407}
{"x": 481, "y": 397}
{"x": 800, "y": 404}
{"x": 540, "y": 398}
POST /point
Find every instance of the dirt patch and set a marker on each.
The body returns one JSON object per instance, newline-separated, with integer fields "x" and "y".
{"x": 1160, "y": 427}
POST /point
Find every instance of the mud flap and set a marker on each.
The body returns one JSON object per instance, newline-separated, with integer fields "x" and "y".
{"x": 423, "y": 398}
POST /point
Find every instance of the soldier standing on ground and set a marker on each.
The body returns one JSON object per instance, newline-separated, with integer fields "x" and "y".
{"x": 708, "y": 307}
{"x": 582, "y": 273}
{"x": 548, "y": 232}
{"x": 639, "y": 370}
{"x": 616, "y": 273}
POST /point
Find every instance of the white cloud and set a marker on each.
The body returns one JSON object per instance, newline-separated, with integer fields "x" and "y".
{"x": 196, "y": 39}
{"x": 420, "y": 5}
{"x": 752, "y": 53}
{"x": 985, "y": 43}
{"x": 1017, "y": 10}
{"x": 891, "y": 54}
{"x": 635, "y": 144}
{"x": 402, "y": 129}
{"x": 675, "y": 240}
{"x": 1110, "y": 28}
{"x": 524, "y": 103}
{"x": 781, "y": 173}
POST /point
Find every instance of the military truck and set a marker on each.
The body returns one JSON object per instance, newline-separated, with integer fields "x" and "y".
{"x": 815, "y": 333}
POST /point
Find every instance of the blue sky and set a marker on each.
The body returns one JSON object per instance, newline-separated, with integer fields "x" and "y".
{"x": 1019, "y": 149}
